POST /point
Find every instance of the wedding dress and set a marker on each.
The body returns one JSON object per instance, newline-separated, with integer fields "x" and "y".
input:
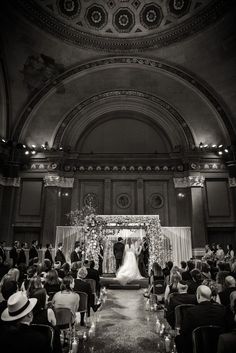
{"x": 128, "y": 271}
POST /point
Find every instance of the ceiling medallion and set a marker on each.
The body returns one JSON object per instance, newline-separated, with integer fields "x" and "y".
{"x": 122, "y": 25}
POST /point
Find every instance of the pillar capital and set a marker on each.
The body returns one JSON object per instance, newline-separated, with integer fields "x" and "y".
{"x": 14, "y": 182}
{"x": 189, "y": 182}
{"x": 232, "y": 182}
{"x": 57, "y": 181}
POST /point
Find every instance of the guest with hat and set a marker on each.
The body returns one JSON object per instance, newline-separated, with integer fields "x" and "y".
{"x": 17, "y": 336}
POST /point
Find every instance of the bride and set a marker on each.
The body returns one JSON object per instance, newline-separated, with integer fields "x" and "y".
{"x": 129, "y": 271}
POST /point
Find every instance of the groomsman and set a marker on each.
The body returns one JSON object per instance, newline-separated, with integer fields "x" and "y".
{"x": 59, "y": 254}
{"x": 33, "y": 252}
{"x": 118, "y": 250}
{"x": 76, "y": 255}
{"x": 48, "y": 253}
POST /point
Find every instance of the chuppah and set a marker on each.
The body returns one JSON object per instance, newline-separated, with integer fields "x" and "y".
{"x": 94, "y": 231}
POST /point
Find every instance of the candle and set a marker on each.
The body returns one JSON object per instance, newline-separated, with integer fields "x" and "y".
{"x": 167, "y": 344}
{"x": 74, "y": 346}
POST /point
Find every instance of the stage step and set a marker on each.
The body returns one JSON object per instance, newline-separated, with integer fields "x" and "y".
{"x": 127, "y": 286}
{"x": 113, "y": 283}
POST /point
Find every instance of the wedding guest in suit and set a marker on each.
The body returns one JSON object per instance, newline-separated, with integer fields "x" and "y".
{"x": 94, "y": 274}
{"x": 230, "y": 286}
{"x": 186, "y": 276}
{"x": 14, "y": 253}
{"x": 227, "y": 341}
{"x": 33, "y": 252}
{"x": 76, "y": 255}
{"x": 42, "y": 315}
{"x": 60, "y": 257}
{"x": 2, "y": 251}
{"x": 118, "y": 250}
{"x": 21, "y": 256}
{"x": 18, "y": 336}
{"x": 195, "y": 281}
{"x": 182, "y": 297}
{"x": 48, "y": 253}
{"x": 3, "y": 268}
{"x": 204, "y": 313}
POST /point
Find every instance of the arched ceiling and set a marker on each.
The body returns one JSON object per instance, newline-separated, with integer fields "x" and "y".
{"x": 121, "y": 24}
{"x": 177, "y": 102}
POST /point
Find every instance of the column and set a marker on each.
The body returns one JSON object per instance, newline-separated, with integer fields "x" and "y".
{"x": 195, "y": 183}
{"x": 52, "y": 205}
{"x": 107, "y": 196}
{"x": 140, "y": 198}
{"x": 9, "y": 188}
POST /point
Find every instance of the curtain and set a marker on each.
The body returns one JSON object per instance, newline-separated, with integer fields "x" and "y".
{"x": 181, "y": 243}
{"x": 68, "y": 236}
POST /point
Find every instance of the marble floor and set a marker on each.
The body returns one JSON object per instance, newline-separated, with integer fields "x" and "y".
{"x": 122, "y": 326}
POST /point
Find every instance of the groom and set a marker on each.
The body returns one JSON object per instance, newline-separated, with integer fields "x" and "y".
{"x": 118, "y": 250}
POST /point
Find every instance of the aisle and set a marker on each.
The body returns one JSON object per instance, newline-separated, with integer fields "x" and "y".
{"x": 123, "y": 325}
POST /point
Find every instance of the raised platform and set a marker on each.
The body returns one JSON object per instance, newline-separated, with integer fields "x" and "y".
{"x": 112, "y": 283}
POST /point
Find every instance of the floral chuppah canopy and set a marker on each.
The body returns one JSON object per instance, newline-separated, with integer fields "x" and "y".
{"x": 94, "y": 228}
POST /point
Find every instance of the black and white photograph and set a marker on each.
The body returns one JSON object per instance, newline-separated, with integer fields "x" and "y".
{"x": 118, "y": 176}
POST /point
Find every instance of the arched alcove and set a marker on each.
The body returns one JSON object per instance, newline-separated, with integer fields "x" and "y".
{"x": 123, "y": 133}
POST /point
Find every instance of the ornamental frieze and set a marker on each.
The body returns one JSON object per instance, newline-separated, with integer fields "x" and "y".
{"x": 57, "y": 181}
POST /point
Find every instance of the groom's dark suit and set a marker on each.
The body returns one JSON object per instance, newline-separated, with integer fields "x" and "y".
{"x": 118, "y": 251}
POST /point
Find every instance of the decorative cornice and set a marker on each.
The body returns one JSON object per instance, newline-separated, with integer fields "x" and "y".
{"x": 232, "y": 182}
{"x": 189, "y": 182}
{"x": 105, "y": 36}
{"x": 15, "y": 182}
{"x": 57, "y": 181}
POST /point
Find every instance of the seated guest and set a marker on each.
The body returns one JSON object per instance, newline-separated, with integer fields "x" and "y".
{"x": 14, "y": 253}
{"x": 47, "y": 265}
{"x": 82, "y": 286}
{"x": 219, "y": 255}
{"x": 186, "y": 274}
{"x": 31, "y": 272}
{"x": 35, "y": 283}
{"x": 64, "y": 270}
{"x": 3, "y": 268}
{"x": 209, "y": 255}
{"x": 60, "y": 257}
{"x": 75, "y": 266}
{"x": 227, "y": 341}
{"x": 66, "y": 298}
{"x": 195, "y": 282}
{"x": 183, "y": 266}
{"x": 167, "y": 269}
{"x": 173, "y": 286}
{"x": 76, "y": 255}
{"x": 229, "y": 256}
{"x": 223, "y": 272}
{"x": 182, "y": 297}
{"x": 52, "y": 283}
{"x": 214, "y": 290}
{"x": 18, "y": 336}
{"x": 203, "y": 314}
{"x": 206, "y": 271}
{"x": 94, "y": 274}
{"x": 8, "y": 288}
{"x": 48, "y": 253}
{"x": 41, "y": 314}
{"x": 156, "y": 273}
{"x": 230, "y": 286}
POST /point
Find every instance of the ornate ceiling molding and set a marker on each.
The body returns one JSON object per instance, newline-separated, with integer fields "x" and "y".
{"x": 116, "y": 25}
{"x": 113, "y": 62}
{"x": 181, "y": 123}
{"x": 57, "y": 181}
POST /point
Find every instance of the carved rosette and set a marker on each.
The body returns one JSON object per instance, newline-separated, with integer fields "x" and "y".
{"x": 189, "y": 182}
{"x": 232, "y": 182}
{"x": 57, "y": 181}
{"x": 14, "y": 182}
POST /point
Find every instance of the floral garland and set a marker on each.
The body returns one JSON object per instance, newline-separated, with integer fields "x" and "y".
{"x": 94, "y": 229}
